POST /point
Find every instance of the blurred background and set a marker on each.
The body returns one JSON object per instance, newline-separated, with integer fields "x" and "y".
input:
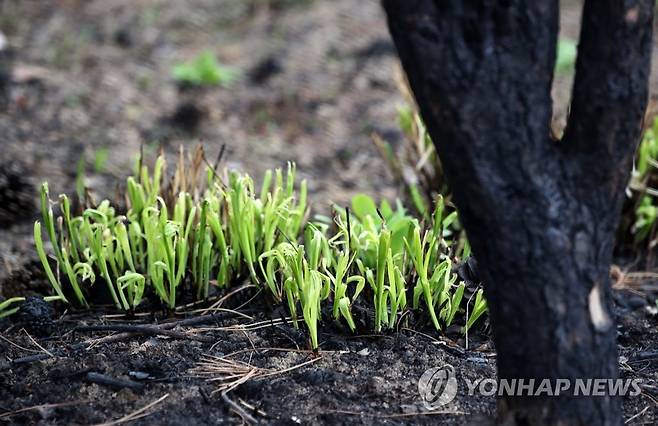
{"x": 85, "y": 84}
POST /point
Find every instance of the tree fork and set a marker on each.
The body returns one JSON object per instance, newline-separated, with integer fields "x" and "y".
{"x": 540, "y": 213}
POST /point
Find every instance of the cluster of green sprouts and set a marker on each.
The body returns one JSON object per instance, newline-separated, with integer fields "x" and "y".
{"x": 203, "y": 229}
{"x": 644, "y": 183}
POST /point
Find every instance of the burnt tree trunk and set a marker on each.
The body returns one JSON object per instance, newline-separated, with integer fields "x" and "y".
{"x": 540, "y": 213}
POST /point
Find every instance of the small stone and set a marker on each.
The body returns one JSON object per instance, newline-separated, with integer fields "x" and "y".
{"x": 139, "y": 375}
{"x": 377, "y": 385}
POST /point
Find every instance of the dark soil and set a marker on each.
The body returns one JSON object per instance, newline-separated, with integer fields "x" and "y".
{"x": 360, "y": 379}
{"x": 80, "y": 78}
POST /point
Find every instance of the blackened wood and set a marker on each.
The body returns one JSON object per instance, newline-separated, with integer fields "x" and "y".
{"x": 540, "y": 213}
{"x": 145, "y": 330}
{"x": 113, "y": 382}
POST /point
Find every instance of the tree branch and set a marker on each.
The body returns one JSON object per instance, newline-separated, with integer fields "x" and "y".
{"x": 610, "y": 93}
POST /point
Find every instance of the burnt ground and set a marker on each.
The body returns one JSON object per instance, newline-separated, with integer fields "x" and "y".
{"x": 85, "y": 79}
{"x": 359, "y": 379}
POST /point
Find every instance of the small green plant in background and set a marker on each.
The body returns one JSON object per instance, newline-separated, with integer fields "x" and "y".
{"x": 100, "y": 159}
{"x": 204, "y": 70}
{"x": 209, "y": 230}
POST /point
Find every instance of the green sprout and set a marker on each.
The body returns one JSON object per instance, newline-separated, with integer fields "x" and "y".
{"x": 479, "y": 308}
{"x": 100, "y": 159}
{"x": 6, "y": 307}
{"x": 646, "y": 216}
{"x": 419, "y": 253}
{"x": 338, "y": 273}
{"x": 204, "y": 70}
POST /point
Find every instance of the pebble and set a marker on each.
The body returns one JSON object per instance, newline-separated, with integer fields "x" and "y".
{"x": 139, "y": 375}
{"x": 377, "y": 385}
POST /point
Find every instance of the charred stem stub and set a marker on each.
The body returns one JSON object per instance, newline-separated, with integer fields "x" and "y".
{"x": 36, "y": 316}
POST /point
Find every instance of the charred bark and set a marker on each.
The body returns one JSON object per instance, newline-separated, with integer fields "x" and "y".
{"x": 540, "y": 213}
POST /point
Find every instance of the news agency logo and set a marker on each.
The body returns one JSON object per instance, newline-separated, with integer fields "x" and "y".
{"x": 438, "y": 386}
